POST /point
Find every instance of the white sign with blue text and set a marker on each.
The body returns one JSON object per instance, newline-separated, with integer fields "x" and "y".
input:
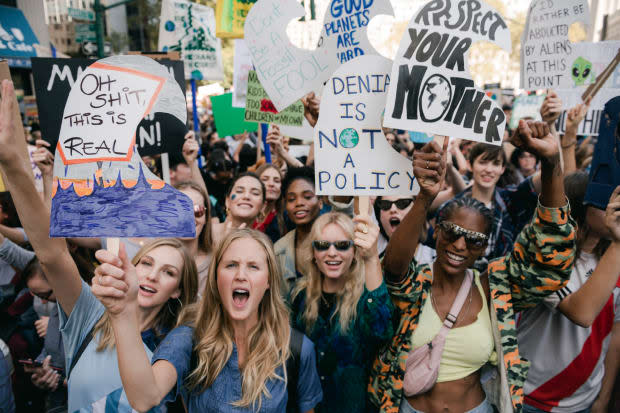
{"x": 432, "y": 90}
{"x": 352, "y": 156}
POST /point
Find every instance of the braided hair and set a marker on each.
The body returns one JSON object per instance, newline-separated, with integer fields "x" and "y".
{"x": 450, "y": 207}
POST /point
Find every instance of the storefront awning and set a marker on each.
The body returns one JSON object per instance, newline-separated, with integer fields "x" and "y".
{"x": 17, "y": 39}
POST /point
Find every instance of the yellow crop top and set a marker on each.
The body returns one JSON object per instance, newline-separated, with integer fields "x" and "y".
{"x": 467, "y": 348}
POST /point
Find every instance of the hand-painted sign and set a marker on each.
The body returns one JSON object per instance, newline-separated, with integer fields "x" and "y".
{"x": 228, "y": 119}
{"x": 54, "y": 78}
{"x": 230, "y": 16}
{"x": 286, "y": 72}
{"x": 345, "y": 28}
{"x": 259, "y": 108}
{"x": 525, "y": 106}
{"x": 352, "y": 156}
{"x": 242, "y": 64}
{"x": 432, "y": 90}
{"x": 189, "y": 28}
{"x": 102, "y": 187}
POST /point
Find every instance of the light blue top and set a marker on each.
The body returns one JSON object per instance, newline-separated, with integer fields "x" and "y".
{"x": 95, "y": 383}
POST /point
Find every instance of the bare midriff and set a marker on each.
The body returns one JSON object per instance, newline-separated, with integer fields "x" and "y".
{"x": 455, "y": 396}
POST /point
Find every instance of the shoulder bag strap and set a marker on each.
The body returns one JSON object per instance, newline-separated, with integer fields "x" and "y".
{"x": 457, "y": 305}
{"x": 78, "y": 354}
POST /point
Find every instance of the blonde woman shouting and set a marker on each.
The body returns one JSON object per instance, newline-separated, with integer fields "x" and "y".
{"x": 231, "y": 357}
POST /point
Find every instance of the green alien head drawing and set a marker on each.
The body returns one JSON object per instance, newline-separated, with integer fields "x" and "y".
{"x": 582, "y": 72}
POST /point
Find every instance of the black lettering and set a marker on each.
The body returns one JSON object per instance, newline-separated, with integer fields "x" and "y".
{"x": 442, "y": 52}
{"x": 408, "y": 85}
{"x": 458, "y": 56}
{"x": 427, "y": 10}
{"x": 480, "y": 118}
{"x": 415, "y": 38}
{"x": 499, "y": 22}
{"x": 115, "y": 151}
{"x": 71, "y": 143}
{"x": 497, "y": 118}
{"x": 468, "y": 107}
{"x": 428, "y": 47}
{"x": 460, "y": 84}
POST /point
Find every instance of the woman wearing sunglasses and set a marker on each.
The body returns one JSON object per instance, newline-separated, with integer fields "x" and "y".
{"x": 389, "y": 212}
{"x": 343, "y": 305}
{"x": 201, "y": 245}
{"x": 455, "y": 348}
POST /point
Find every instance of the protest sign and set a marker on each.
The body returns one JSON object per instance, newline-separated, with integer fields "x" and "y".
{"x": 228, "y": 119}
{"x": 549, "y": 60}
{"x": 286, "y": 72}
{"x": 432, "y": 90}
{"x": 242, "y": 64}
{"x": 189, "y": 28}
{"x": 230, "y": 17}
{"x": 305, "y": 132}
{"x": 259, "y": 108}
{"x": 605, "y": 170}
{"x": 345, "y": 27}
{"x": 352, "y": 156}
{"x": 526, "y": 106}
{"x": 102, "y": 187}
{"x": 36, "y": 172}
{"x": 54, "y": 78}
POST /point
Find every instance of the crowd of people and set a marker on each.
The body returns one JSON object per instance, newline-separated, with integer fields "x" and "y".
{"x": 494, "y": 289}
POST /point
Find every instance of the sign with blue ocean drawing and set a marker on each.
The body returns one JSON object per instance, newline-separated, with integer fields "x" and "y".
{"x": 189, "y": 28}
{"x": 352, "y": 156}
{"x": 432, "y": 90}
{"x": 101, "y": 186}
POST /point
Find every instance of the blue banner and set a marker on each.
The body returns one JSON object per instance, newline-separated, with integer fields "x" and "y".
{"x": 17, "y": 39}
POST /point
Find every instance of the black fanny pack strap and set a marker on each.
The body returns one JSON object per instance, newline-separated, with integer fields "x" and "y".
{"x": 78, "y": 353}
{"x": 292, "y": 369}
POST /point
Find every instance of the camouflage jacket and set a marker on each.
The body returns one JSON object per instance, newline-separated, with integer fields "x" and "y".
{"x": 539, "y": 264}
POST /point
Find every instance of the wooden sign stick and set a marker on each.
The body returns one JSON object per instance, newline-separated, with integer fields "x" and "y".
{"x": 114, "y": 245}
{"x": 361, "y": 205}
{"x": 593, "y": 89}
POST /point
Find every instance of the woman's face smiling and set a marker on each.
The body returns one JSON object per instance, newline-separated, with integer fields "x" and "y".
{"x": 456, "y": 257}
{"x": 302, "y": 204}
{"x": 334, "y": 263}
{"x": 159, "y": 276}
{"x": 246, "y": 198}
{"x": 243, "y": 279}
{"x": 273, "y": 184}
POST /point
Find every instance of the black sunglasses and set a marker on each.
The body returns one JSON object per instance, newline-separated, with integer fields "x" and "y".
{"x": 387, "y": 205}
{"x": 339, "y": 245}
{"x": 473, "y": 239}
{"x": 44, "y": 296}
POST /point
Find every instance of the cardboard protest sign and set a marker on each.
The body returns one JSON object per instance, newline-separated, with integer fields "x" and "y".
{"x": 305, "y": 132}
{"x": 352, "y": 156}
{"x": 54, "y": 78}
{"x": 242, "y": 64}
{"x": 102, "y": 187}
{"x": 605, "y": 170}
{"x": 432, "y": 90}
{"x": 228, "y": 119}
{"x": 526, "y": 106}
{"x": 189, "y": 28}
{"x": 259, "y": 108}
{"x": 230, "y": 17}
{"x": 286, "y": 72}
{"x": 345, "y": 27}
{"x": 549, "y": 60}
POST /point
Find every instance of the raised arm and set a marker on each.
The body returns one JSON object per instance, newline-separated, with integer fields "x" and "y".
{"x": 274, "y": 139}
{"x": 569, "y": 140}
{"x": 53, "y": 254}
{"x": 583, "y": 306}
{"x": 366, "y": 236}
{"x": 429, "y": 165}
{"x": 190, "y": 154}
{"x": 44, "y": 160}
{"x": 14, "y": 234}
{"x": 116, "y": 285}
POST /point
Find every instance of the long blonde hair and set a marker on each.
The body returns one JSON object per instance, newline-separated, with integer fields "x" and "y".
{"x": 267, "y": 343}
{"x": 168, "y": 315}
{"x": 311, "y": 284}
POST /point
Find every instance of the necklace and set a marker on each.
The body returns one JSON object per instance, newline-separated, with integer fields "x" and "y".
{"x": 458, "y": 318}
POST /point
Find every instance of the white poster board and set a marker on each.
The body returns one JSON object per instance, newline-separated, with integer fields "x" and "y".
{"x": 352, "y": 156}
{"x": 189, "y": 28}
{"x": 242, "y": 65}
{"x": 432, "y": 90}
{"x": 286, "y": 72}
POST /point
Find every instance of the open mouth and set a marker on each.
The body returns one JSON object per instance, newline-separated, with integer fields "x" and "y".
{"x": 394, "y": 222}
{"x": 301, "y": 214}
{"x": 240, "y": 296}
{"x": 147, "y": 289}
{"x": 454, "y": 259}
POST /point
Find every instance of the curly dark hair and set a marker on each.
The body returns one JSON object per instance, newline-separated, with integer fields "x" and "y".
{"x": 305, "y": 172}
{"x": 449, "y": 208}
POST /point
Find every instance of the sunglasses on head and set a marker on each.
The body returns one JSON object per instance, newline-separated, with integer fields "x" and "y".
{"x": 453, "y": 232}
{"x": 199, "y": 211}
{"x": 401, "y": 204}
{"x": 339, "y": 245}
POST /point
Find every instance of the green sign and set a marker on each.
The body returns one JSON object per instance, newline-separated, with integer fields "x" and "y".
{"x": 259, "y": 108}
{"x": 229, "y": 120}
{"x": 81, "y": 14}
{"x": 85, "y": 37}
{"x": 84, "y": 28}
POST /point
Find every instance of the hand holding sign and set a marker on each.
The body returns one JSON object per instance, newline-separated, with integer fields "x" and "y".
{"x": 429, "y": 168}
{"x": 312, "y": 105}
{"x": 190, "y": 148}
{"x": 366, "y": 235}
{"x": 575, "y": 116}
{"x": 43, "y": 158}
{"x": 551, "y": 108}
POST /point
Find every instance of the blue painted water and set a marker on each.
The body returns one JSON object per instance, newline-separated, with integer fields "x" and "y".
{"x": 118, "y": 211}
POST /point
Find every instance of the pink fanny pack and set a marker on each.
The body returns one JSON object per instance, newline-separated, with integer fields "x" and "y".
{"x": 422, "y": 366}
